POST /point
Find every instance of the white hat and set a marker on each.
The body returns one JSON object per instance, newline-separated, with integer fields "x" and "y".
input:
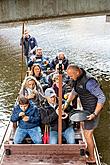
{"x": 49, "y": 92}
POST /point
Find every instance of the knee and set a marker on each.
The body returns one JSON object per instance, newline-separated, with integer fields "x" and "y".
{"x": 17, "y": 141}
{"x": 88, "y": 133}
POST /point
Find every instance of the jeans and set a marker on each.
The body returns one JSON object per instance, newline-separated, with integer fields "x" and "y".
{"x": 68, "y": 134}
{"x": 34, "y": 133}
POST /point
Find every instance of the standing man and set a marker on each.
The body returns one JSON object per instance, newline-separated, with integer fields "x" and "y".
{"x": 29, "y": 44}
{"x": 92, "y": 99}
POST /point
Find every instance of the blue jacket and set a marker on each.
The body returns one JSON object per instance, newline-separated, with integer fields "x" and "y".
{"x": 28, "y": 42}
{"x": 41, "y": 61}
{"x": 33, "y": 114}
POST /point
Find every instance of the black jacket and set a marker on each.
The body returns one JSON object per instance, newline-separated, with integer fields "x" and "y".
{"x": 49, "y": 116}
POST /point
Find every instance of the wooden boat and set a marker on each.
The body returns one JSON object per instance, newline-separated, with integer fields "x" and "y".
{"x": 34, "y": 154}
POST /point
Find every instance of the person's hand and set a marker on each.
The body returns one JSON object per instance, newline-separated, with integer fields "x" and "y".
{"x": 31, "y": 52}
{"x": 25, "y": 118}
{"x": 64, "y": 106}
{"x": 57, "y": 111}
{"x": 35, "y": 92}
{"x": 91, "y": 117}
{"x": 21, "y": 114}
{"x": 33, "y": 59}
{"x": 24, "y": 35}
{"x": 64, "y": 115}
{"x": 31, "y": 96}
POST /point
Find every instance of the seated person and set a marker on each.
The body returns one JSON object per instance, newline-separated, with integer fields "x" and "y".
{"x": 32, "y": 90}
{"x": 55, "y": 61}
{"x": 28, "y": 118}
{"x": 64, "y": 75}
{"x": 37, "y": 72}
{"x": 39, "y": 58}
{"x": 50, "y": 117}
{"x": 65, "y": 87}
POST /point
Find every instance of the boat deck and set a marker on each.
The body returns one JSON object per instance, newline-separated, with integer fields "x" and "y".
{"x": 33, "y": 154}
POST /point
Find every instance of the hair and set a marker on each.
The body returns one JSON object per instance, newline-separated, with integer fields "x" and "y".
{"x": 38, "y": 48}
{"x": 32, "y": 69}
{"x": 73, "y": 67}
{"x": 23, "y": 100}
{"x": 26, "y": 31}
{"x": 61, "y": 53}
{"x": 55, "y": 77}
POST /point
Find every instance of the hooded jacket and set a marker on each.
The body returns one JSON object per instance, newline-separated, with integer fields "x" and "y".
{"x": 33, "y": 114}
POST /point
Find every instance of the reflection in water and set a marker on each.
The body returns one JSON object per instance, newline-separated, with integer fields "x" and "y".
{"x": 85, "y": 41}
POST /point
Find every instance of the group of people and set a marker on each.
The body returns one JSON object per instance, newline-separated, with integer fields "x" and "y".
{"x": 37, "y": 104}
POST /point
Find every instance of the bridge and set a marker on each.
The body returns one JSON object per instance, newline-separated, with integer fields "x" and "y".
{"x": 22, "y": 10}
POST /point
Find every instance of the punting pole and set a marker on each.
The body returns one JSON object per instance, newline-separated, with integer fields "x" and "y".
{"x": 22, "y": 53}
{"x": 60, "y": 104}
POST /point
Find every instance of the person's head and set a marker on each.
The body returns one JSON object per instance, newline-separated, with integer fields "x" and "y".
{"x": 39, "y": 51}
{"x": 56, "y": 78}
{"x": 26, "y": 33}
{"x": 50, "y": 95}
{"x": 57, "y": 67}
{"x": 73, "y": 71}
{"x": 61, "y": 56}
{"x": 36, "y": 70}
{"x": 23, "y": 103}
{"x": 30, "y": 82}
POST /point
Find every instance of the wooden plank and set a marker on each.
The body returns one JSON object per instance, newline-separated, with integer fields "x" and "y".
{"x": 33, "y": 160}
{"x": 63, "y": 153}
{"x": 44, "y": 148}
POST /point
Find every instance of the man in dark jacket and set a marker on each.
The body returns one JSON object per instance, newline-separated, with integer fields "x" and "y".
{"x": 29, "y": 44}
{"x": 28, "y": 118}
{"x": 92, "y": 99}
{"x": 50, "y": 117}
{"x": 55, "y": 61}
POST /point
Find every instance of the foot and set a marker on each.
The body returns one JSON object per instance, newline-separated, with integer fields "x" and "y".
{"x": 90, "y": 160}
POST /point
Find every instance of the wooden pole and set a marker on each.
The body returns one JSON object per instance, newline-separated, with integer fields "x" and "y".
{"x": 22, "y": 53}
{"x": 60, "y": 105}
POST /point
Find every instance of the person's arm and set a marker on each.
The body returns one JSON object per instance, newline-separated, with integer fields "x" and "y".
{"x": 71, "y": 97}
{"x": 53, "y": 116}
{"x": 52, "y": 65}
{"x": 35, "y": 42}
{"x": 31, "y": 61}
{"x": 93, "y": 87}
{"x": 21, "y": 40}
{"x": 34, "y": 49}
{"x": 15, "y": 114}
{"x": 35, "y": 117}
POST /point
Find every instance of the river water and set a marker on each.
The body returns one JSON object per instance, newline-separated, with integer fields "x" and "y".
{"x": 85, "y": 41}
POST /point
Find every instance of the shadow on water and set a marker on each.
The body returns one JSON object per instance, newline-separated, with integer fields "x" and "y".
{"x": 85, "y": 41}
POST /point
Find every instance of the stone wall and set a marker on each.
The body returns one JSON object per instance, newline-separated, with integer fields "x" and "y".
{"x": 17, "y": 10}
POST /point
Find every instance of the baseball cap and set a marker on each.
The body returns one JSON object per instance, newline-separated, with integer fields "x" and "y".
{"x": 49, "y": 92}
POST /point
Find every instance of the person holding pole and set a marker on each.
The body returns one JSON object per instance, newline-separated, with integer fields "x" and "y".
{"x": 29, "y": 44}
{"x": 92, "y": 99}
